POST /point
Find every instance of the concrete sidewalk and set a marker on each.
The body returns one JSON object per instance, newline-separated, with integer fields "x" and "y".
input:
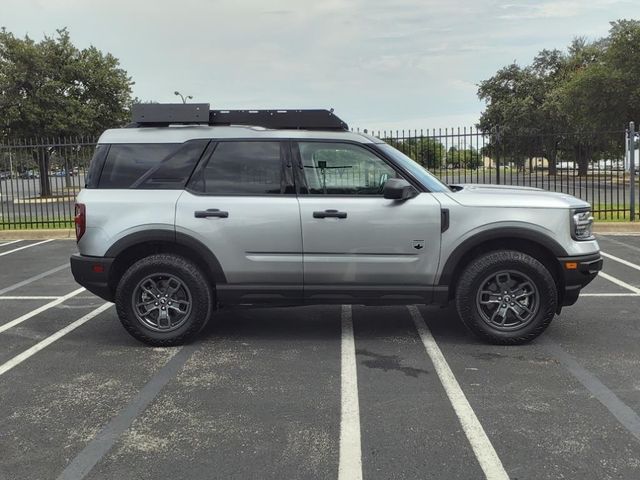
{"x": 38, "y": 234}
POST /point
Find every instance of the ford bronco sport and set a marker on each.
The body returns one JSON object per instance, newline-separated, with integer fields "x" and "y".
{"x": 189, "y": 210}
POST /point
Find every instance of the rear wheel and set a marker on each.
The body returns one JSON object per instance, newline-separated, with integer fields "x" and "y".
{"x": 506, "y": 297}
{"x": 164, "y": 300}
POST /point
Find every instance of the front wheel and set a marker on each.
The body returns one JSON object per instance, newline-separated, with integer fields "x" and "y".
{"x": 506, "y": 297}
{"x": 164, "y": 300}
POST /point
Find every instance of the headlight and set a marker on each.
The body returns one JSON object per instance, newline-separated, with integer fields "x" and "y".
{"x": 582, "y": 225}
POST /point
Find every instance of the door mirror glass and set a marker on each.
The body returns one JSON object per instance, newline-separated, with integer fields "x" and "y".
{"x": 398, "y": 189}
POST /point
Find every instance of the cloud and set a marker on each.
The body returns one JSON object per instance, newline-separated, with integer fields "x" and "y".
{"x": 375, "y": 61}
{"x": 555, "y": 9}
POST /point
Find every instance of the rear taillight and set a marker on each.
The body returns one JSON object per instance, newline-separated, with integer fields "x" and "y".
{"x": 80, "y": 220}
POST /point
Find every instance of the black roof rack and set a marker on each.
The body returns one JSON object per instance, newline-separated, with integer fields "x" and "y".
{"x": 163, "y": 114}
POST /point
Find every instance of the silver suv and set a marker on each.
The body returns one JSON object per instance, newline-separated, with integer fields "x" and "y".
{"x": 189, "y": 210}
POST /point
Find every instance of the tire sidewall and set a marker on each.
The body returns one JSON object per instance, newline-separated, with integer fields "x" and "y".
{"x": 193, "y": 279}
{"x": 494, "y": 262}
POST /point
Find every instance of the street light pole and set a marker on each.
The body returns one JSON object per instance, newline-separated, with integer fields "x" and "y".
{"x": 184, "y": 99}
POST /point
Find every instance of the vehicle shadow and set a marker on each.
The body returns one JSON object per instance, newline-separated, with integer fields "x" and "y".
{"x": 324, "y": 323}
{"x": 319, "y": 324}
{"x": 446, "y": 326}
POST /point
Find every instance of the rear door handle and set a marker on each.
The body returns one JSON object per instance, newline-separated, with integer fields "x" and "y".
{"x": 330, "y": 214}
{"x": 211, "y": 212}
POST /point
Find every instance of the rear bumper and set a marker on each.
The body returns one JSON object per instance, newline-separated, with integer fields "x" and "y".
{"x": 575, "y": 279}
{"x": 93, "y": 274}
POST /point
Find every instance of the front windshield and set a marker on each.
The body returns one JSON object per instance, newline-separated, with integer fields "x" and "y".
{"x": 416, "y": 170}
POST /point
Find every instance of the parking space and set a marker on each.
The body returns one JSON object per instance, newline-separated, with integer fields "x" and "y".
{"x": 314, "y": 392}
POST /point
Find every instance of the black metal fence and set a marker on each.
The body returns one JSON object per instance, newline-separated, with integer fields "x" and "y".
{"x": 592, "y": 167}
{"x": 39, "y": 178}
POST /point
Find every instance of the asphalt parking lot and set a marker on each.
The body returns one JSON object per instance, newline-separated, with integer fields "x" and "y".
{"x": 314, "y": 392}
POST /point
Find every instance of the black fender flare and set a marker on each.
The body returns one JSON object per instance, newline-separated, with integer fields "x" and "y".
{"x": 498, "y": 233}
{"x": 170, "y": 236}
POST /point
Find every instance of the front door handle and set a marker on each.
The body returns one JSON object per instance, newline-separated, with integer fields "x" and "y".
{"x": 211, "y": 212}
{"x": 330, "y": 214}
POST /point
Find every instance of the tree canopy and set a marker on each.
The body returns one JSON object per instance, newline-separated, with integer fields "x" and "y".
{"x": 52, "y": 88}
{"x": 587, "y": 90}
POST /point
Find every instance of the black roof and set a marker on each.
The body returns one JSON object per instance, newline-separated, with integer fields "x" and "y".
{"x": 163, "y": 114}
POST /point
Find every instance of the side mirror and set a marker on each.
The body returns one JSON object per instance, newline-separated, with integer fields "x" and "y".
{"x": 398, "y": 189}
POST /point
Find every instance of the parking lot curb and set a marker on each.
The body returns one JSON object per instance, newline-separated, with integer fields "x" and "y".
{"x": 37, "y": 234}
{"x": 38, "y": 200}
{"x": 605, "y": 228}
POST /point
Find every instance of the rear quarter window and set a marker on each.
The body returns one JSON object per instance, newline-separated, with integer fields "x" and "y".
{"x": 150, "y": 166}
{"x": 95, "y": 166}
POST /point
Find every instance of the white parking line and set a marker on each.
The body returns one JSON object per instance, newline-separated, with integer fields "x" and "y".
{"x": 29, "y": 280}
{"x": 482, "y": 447}
{"x": 604, "y": 295}
{"x": 4, "y": 244}
{"x": 618, "y": 234}
{"x": 350, "y": 463}
{"x": 620, "y": 260}
{"x": 38, "y": 310}
{"x": 26, "y": 246}
{"x": 622, "y": 244}
{"x": 18, "y": 359}
{"x": 8, "y": 297}
{"x": 619, "y": 282}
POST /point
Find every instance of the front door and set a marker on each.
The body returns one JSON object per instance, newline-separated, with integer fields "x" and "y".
{"x": 241, "y": 205}
{"x": 359, "y": 246}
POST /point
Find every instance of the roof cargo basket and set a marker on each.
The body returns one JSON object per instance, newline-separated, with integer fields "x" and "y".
{"x": 279, "y": 119}
{"x": 157, "y": 114}
{"x": 162, "y": 114}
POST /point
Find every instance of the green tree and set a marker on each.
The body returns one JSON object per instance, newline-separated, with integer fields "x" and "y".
{"x": 589, "y": 89}
{"x": 52, "y": 89}
{"x": 425, "y": 150}
{"x": 464, "y": 158}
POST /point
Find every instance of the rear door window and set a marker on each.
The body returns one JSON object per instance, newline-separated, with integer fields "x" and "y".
{"x": 245, "y": 168}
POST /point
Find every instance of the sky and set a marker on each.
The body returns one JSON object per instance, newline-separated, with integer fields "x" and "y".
{"x": 381, "y": 64}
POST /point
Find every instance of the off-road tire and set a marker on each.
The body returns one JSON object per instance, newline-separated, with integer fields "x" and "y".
{"x": 494, "y": 262}
{"x": 201, "y": 293}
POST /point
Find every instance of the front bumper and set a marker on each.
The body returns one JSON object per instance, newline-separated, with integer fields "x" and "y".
{"x": 578, "y": 272}
{"x": 93, "y": 274}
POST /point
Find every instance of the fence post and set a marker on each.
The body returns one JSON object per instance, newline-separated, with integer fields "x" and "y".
{"x": 496, "y": 154}
{"x": 632, "y": 170}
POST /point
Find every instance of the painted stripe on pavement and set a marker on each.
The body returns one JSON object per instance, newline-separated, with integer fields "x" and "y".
{"x": 623, "y": 413}
{"x": 609, "y": 295}
{"x": 350, "y": 462}
{"x": 26, "y": 246}
{"x": 38, "y": 310}
{"x": 482, "y": 448}
{"x": 18, "y": 359}
{"x": 618, "y": 242}
{"x": 9, "y": 243}
{"x": 84, "y": 462}
{"x": 33, "y": 279}
{"x": 9, "y": 297}
{"x": 620, "y": 260}
{"x": 619, "y": 282}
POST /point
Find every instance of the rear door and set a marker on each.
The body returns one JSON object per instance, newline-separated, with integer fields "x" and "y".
{"x": 241, "y": 204}
{"x": 359, "y": 246}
